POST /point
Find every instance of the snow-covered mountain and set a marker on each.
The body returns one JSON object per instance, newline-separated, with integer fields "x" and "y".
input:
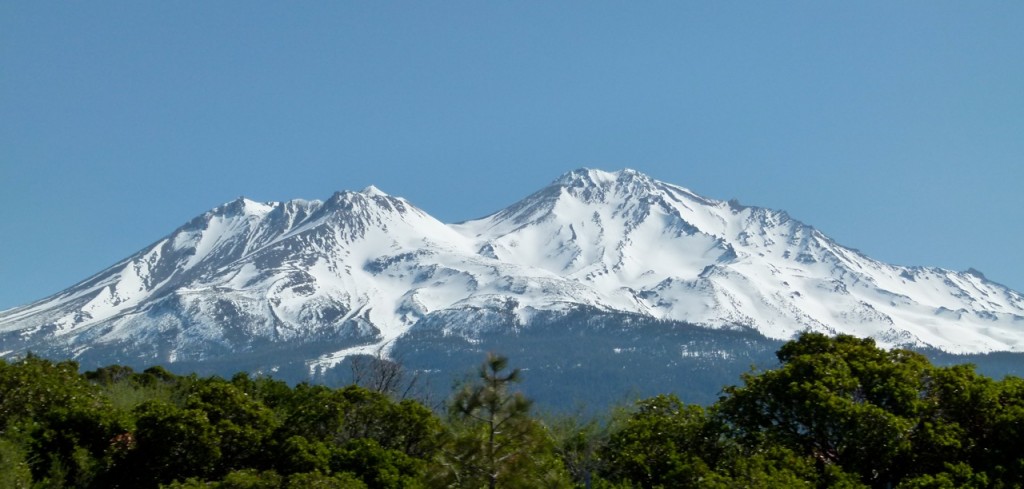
{"x": 320, "y": 280}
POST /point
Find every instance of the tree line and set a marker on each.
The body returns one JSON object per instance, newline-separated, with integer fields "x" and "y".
{"x": 837, "y": 412}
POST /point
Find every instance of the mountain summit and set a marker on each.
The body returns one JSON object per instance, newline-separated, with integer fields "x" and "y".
{"x": 316, "y": 281}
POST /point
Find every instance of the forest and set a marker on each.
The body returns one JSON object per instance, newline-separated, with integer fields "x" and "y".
{"x": 836, "y": 412}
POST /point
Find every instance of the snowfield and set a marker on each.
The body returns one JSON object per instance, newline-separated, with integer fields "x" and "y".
{"x": 358, "y": 271}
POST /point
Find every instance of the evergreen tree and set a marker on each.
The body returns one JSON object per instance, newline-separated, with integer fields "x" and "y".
{"x": 494, "y": 441}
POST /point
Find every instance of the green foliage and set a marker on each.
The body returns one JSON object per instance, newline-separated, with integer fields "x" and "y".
{"x": 406, "y": 426}
{"x": 126, "y": 395}
{"x": 378, "y": 466}
{"x": 297, "y": 455}
{"x": 59, "y": 419}
{"x": 887, "y": 417}
{"x": 493, "y": 440}
{"x": 665, "y": 443}
{"x": 254, "y": 479}
{"x": 14, "y": 469}
{"x": 578, "y": 443}
{"x": 841, "y": 401}
{"x": 271, "y": 393}
{"x": 73, "y": 442}
{"x": 768, "y": 468}
{"x": 239, "y": 479}
{"x": 169, "y": 443}
{"x": 316, "y": 480}
{"x": 241, "y": 423}
{"x": 837, "y": 413}
{"x": 33, "y": 387}
{"x": 953, "y": 476}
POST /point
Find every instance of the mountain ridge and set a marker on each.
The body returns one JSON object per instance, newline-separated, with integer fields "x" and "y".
{"x": 354, "y": 273}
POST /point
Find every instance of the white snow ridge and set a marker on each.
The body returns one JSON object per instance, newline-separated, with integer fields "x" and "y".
{"x": 358, "y": 271}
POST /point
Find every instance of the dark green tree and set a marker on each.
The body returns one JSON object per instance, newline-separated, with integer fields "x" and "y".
{"x": 665, "y": 443}
{"x": 240, "y": 479}
{"x": 316, "y": 480}
{"x": 14, "y": 468}
{"x": 970, "y": 422}
{"x": 58, "y": 419}
{"x": 579, "y": 443}
{"x": 357, "y": 431}
{"x": 32, "y": 387}
{"x": 377, "y": 466}
{"x": 841, "y": 401}
{"x": 242, "y": 424}
{"x": 299, "y": 455}
{"x": 169, "y": 443}
{"x": 495, "y": 442}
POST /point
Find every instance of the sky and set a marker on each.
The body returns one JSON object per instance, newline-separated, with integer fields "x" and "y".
{"x": 896, "y": 128}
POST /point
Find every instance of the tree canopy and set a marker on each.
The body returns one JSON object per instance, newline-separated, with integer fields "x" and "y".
{"x": 836, "y": 412}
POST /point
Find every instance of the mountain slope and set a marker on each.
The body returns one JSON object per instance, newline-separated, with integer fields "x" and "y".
{"x": 308, "y": 282}
{"x": 661, "y": 250}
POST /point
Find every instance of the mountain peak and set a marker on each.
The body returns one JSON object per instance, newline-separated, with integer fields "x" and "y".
{"x": 243, "y": 206}
{"x": 363, "y": 204}
{"x": 372, "y": 190}
{"x": 585, "y": 177}
{"x": 591, "y": 185}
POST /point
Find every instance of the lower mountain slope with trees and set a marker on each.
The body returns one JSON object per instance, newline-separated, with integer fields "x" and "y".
{"x": 835, "y": 412}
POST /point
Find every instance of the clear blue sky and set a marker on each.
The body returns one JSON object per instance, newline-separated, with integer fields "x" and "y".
{"x": 895, "y": 127}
